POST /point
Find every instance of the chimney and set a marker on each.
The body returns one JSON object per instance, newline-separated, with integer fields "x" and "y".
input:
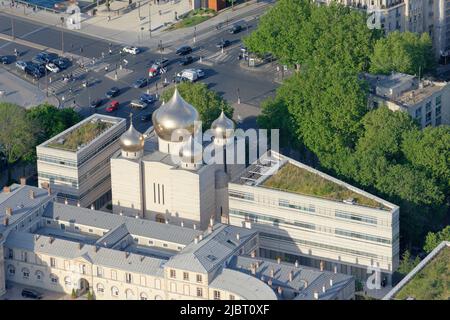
{"x": 194, "y": 226}
{"x": 51, "y": 239}
{"x": 8, "y": 212}
{"x": 291, "y": 275}
{"x": 238, "y": 236}
{"x": 331, "y": 282}
{"x": 211, "y": 221}
{"x": 257, "y": 264}
{"x": 66, "y": 201}
{"x": 296, "y": 263}
{"x": 23, "y": 181}
{"x": 49, "y": 191}
{"x": 253, "y": 254}
{"x": 137, "y": 216}
{"x": 200, "y": 237}
{"x": 253, "y": 269}
{"x": 316, "y": 295}
{"x": 324, "y": 289}
{"x": 335, "y": 269}
{"x": 78, "y": 204}
{"x": 32, "y": 195}
{"x": 278, "y": 260}
{"x": 182, "y": 224}
{"x": 306, "y": 284}
{"x": 321, "y": 265}
{"x": 272, "y": 273}
{"x": 80, "y": 245}
{"x": 280, "y": 291}
{"x": 5, "y": 221}
{"x": 195, "y": 240}
{"x": 92, "y": 207}
{"x": 6, "y": 189}
{"x": 269, "y": 282}
{"x": 127, "y": 254}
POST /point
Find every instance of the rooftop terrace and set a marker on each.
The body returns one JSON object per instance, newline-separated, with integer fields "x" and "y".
{"x": 292, "y": 178}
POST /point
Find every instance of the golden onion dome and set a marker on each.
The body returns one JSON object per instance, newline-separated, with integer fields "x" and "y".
{"x": 175, "y": 118}
{"x": 191, "y": 151}
{"x": 132, "y": 140}
{"x": 222, "y": 127}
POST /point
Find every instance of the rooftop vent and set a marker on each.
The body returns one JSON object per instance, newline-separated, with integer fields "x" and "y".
{"x": 324, "y": 289}
{"x": 291, "y": 275}
{"x": 278, "y": 260}
{"x": 296, "y": 263}
{"x": 182, "y": 224}
{"x": 78, "y": 204}
{"x": 316, "y": 295}
{"x": 5, "y": 221}
{"x": 238, "y": 236}
{"x": 80, "y": 245}
{"x": 23, "y": 181}
{"x": 350, "y": 201}
{"x": 51, "y": 239}
{"x": 331, "y": 282}
{"x": 6, "y": 189}
{"x": 200, "y": 237}
{"x": 92, "y": 207}
{"x": 194, "y": 226}
{"x": 195, "y": 240}
{"x": 272, "y": 273}
{"x": 9, "y": 212}
{"x": 66, "y": 201}
{"x": 32, "y": 195}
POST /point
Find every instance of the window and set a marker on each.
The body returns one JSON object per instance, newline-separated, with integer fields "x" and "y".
{"x": 150, "y": 242}
{"x": 25, "y": 273}
{"x": 199, "y": 292}
{"x": 199, "y": 278}
{"x": 143, "y": 296}
{"x": 99, "y": 272}
{"x": 39, "y": 275}
{"x": 128, "y": 277}
{"x": 165, "y": 245}
{"x": 216, "y": 295}
{"x": 173, "y": 274}
{"x": 100, "y": 288}
{"x": 67, "y": 281}
{"x": 113, "y": 275}
{"x": 52, "y": 262}
{"x": 11, "y": 270}
{"x": 185, "y": 276}
{"x": 419, "y": 112}
{"x": 438, "y": 121}
{"x": 438, "y": 110}
{"x": 428, "y": 106}
{"x": 114, "y": 292}
{"x": 10, "y": 254}
{"x": 232, "y": 297}
{"x": 438, "y": 100}
{"x": 24, "y": 256}
{"x": 54, "y": 278}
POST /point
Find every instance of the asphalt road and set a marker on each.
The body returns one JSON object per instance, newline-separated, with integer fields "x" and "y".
{"x": 223, "y": 72}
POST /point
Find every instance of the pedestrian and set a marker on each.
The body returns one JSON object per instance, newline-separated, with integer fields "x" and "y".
{"x": 109, "y": 18}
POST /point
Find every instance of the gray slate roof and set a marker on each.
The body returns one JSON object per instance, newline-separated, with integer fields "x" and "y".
{"x": 244, "y": 285}
{"x": 213, "y": 250}
{"x": 70, "y": 250}
{"x": 108, "y": 221}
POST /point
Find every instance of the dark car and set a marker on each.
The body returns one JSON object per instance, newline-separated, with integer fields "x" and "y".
{"x": 183, "y": 50}
{"x": 96, "y": 103}
{"x": 147, "y": 98}
{"x": 146, "y": 117}
{"x": 39, "y": 60}
{"x": 41, "y": 68}
{"x": 48, "y": 56}
{"x": 62, "y": 63}
{"x": 179, "y": 79}
{"x": 235, "y": 29}
{"x": 33, "y": 71}
{"x": 186, "y": 60}
{"x": 223, "y": 43}
{"x": 6, "y": 60}
{"x": 164, "y": 62}
{"x": 32, "y": 294}
{"x": 139, "y": 83}
{"x": 113, "y": 92}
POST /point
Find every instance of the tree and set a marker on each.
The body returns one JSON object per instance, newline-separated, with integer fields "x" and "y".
{"x": 52, "y": 120}
{"x": 404, "y": 52}
{"x": 407, "y": 263}
{"x": 74, "y": 294}
{"x": 207, "y": 102}
{"x": 434, "y": 239}
{"x": 17, "y": 134}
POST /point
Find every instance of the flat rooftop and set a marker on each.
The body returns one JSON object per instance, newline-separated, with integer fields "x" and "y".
{"x": 83, "y": 133}
{"x": 281, "y": 173}
{"x": 418, "y": 94}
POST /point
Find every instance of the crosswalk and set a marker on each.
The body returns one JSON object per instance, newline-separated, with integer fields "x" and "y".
{"x": 58, "y": 85}
{"x": 218, "y": 57}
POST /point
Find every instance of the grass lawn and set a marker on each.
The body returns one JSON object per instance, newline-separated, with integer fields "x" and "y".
{"x": 432, "y": 282}
{"x": 193, "y": 18}
{"x": 294, "y": 179}
{"x": 81, "y": 136}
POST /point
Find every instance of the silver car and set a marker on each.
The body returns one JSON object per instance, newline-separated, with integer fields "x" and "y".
{"x": 21, "y": 65}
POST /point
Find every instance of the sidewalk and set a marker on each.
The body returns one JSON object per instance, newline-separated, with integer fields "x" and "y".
{"x": 132, "y": 28}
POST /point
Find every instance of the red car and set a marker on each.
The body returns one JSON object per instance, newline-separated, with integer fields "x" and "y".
{"x": 113, "y": 106}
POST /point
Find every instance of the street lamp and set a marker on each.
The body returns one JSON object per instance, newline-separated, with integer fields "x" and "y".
{"x": 12, "y": 28}
{"x": 150, "y": 18}
{"x": 62, "y": 35}
{"x": 238, "y": 96}
{"x": 195, "y": 34}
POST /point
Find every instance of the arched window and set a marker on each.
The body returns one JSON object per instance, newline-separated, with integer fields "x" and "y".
{"x": 100, "y": 288}
{"x": 144, "y": 296}
{"x": 129, "y": 294}
{"x": 158, "y": 297}
{"x": 39, "y": 275}
{"x": 53, "y": 278}
{"x": 25, "y": 273}
{"x": 67, "y": 281}
{"x": 114, "y": 292}
{"x": 11, "y": 270}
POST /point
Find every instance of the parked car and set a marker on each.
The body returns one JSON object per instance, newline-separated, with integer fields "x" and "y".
{"x": 235, "y": 29}
{"x": 139, "y": 83}
{"x": 33, "y": 71}
{"x": 52, "y": 67}
{"x": 62, "y": 63}
{"x": 132, "y": 50}
{"x": 22, "y": 65}
{"x": 179, "y": 79}
{"x": 183, "y": 50}
{"x": 48, "y": 56}
{"x": 223, "y": 44}
{"x": 6, "y": 59}
{"x": 147, "y": 98}
{"x": 163, "y": 62}
{"x": 96, "y": 103}
{"x": 113, "y": 106}
{"x": 146, "y": 117}
{"x": 191, "y": 74}
{"x": 186, "y": 60}
{"x": 138, "y": 104}
{"x": 31, "y": 293}
{"x": 113, "y": 92}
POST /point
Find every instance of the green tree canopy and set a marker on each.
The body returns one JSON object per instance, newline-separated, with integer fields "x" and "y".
{"x": 207, "y": 102}
{"x": 405, "y": 52}
{"x": 434, "y": 239}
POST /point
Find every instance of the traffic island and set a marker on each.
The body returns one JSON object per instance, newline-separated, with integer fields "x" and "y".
{"x": 118, "y": 74}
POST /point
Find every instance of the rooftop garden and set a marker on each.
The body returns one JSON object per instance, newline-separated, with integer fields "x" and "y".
{"x": 193, "y": 18}
{"x": 432, "y": 282}
{"x": 294, "y": 179}
{"x": 80, "y": 136}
